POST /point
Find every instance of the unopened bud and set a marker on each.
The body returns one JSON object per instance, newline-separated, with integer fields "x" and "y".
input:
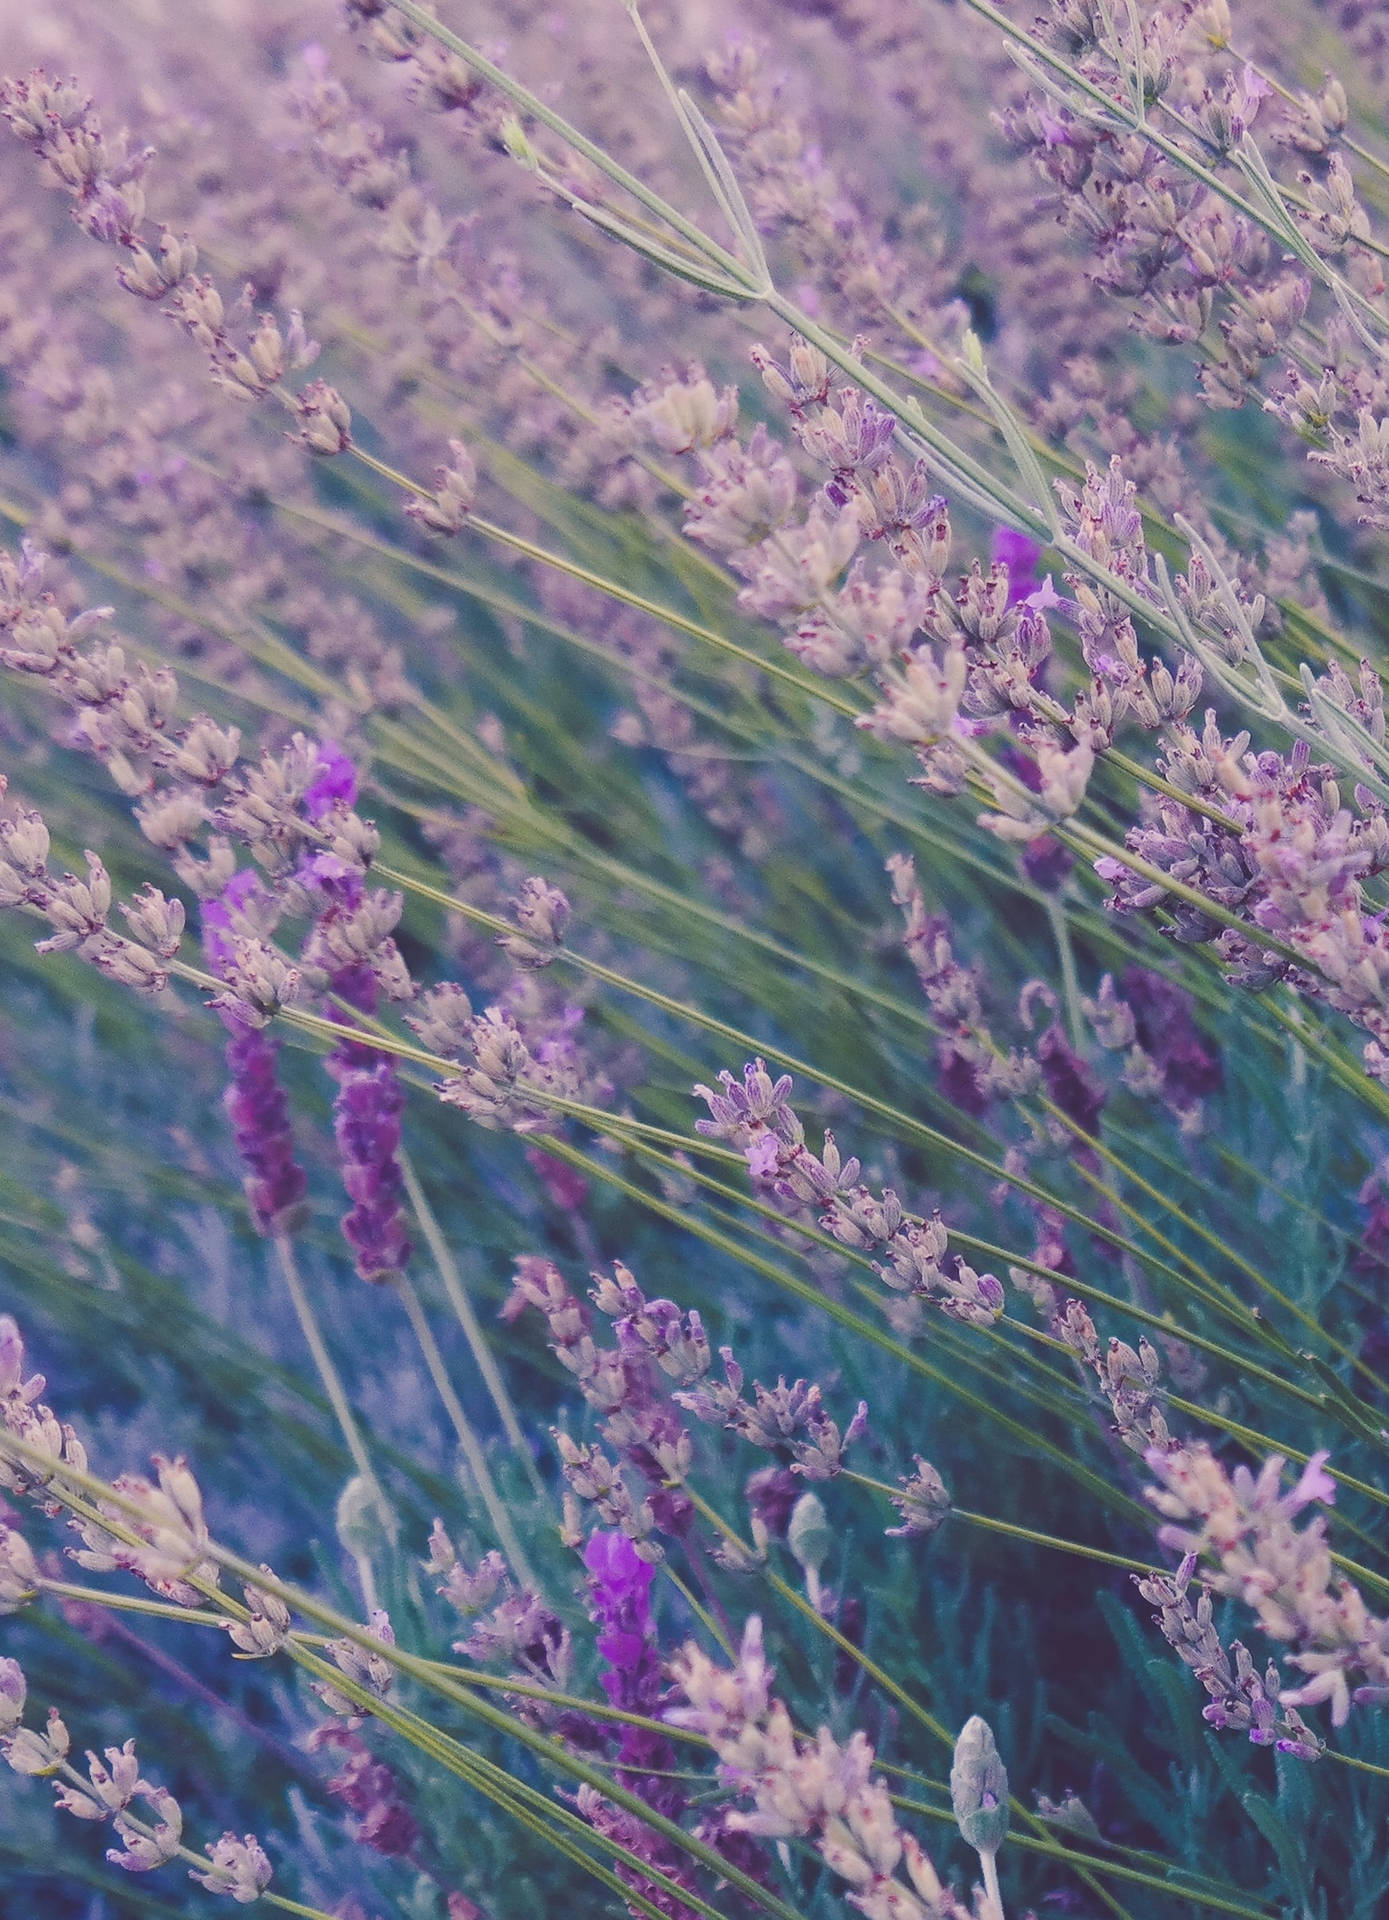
{"x": 979, "y": 1787}
{"x": 809, "y": 1534}
{"x": 326, "y": 420}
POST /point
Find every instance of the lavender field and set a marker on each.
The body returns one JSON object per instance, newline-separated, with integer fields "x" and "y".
{"x": 694, "y": 1044}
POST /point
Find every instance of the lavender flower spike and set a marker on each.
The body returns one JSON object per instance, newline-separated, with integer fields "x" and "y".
{"x": 239, "y": 1868}
{"x": 813, "y": 1789}
{"x": 351, "y": 945}
{"x": 255, "y": 1102}
{"x": 620, "y": 1586}
{"x": 366, "y": 1126}
{"x": 259, "y": 1112}
{"x": 147, "y": 1847}
{"x": 755, "y": 1118}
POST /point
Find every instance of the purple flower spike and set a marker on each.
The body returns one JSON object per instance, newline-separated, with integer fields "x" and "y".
{"x": 254, "y": 1100}
{"x": 222, "y": 915}
{"x": 370, "y": 1098}
{"x": 371, "y": 1792}
{"x": 259, "y": 1112}
{"x": 366, "y": 1126}
{"x": 1163, "y": 1015}
{"x": 620, "y": 1589}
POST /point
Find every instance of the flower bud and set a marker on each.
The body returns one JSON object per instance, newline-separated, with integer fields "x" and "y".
{"x": 12, "y": 1695}
{"x": 266, "y": 1629}
{"x": 923, "y": 1503}
{"x": 326, "y": 420}
{"x": 360, "y": 1516}
{"x": 38, "y": 1753}
{"x": 19, "y": 1575}
{"x": 979, "y": 1787}
{"x": 809, "y": 1534}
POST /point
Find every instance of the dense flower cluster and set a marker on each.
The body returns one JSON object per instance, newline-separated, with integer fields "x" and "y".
{"x": 755, "y": 1117}
{"x": 840, "y": 535}
{"x": 816, "y": 1789}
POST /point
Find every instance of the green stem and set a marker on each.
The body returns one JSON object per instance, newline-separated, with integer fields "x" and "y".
{"x": 1160, "y": 1883}
{"x": 1237, "y": 1360}
{"x": 61, "y": 1477}
{"x": 337, "y": 1399}
{"x": 529, "y": 103}
{"x": 470, "y": 1445}
{"x": 1113, "y": 109}
{"x": 1006, "y": 1527}
{"x": 1070, "y": 983}
{"x": 130, "y": 1603}
{"x": 456, "y": 1292}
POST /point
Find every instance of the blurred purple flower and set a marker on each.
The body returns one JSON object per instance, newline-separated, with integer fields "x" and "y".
{"x": 1069, "y": 1082}
{"x": 335, "y": 784}
{"x": 1162, "y": 1016}
{"x": 1019, "y": 552}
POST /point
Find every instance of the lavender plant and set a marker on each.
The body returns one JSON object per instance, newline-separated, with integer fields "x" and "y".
{"x": 694, "y": 815}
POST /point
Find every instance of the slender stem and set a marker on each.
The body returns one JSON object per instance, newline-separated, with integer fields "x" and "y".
{"x": 337, "y": 1399}
{"x": 668, "y": 616}
{"x": 130, "y": 1603}
{"x": 529, "y": 103}
{"x": 751, "y": 1046}
{"x": 469, "y": 1676}
{"x": 1070, "y": 983}
{"x": 327, "y": 1028}
{"x": 393, "y": 474}
{"x": 942, "y": 1376}
{"x": 711, "y": 1626}
{"x": 1212, "y": 1239}
{"x": 821, "y": 691}
{"x": 1349, "y": 1760}
{"x": 1014, "y": 1532}
{"x": 1161, "y": 1323}
{"x": 1238, "y": 1361}
{"x": 145, "y": 1829}
{"x": 294, "y": 1761}
{"x": 442, "y": 1255}
{"x": 64, "y": 1477}
{"x": 993, "y": 1893}
{"x": 1260, "y": 1443}
{"x": 1211, "y": 1898}
{"x": 468, "y": 1441}
{"x": 1062, "y": 68}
